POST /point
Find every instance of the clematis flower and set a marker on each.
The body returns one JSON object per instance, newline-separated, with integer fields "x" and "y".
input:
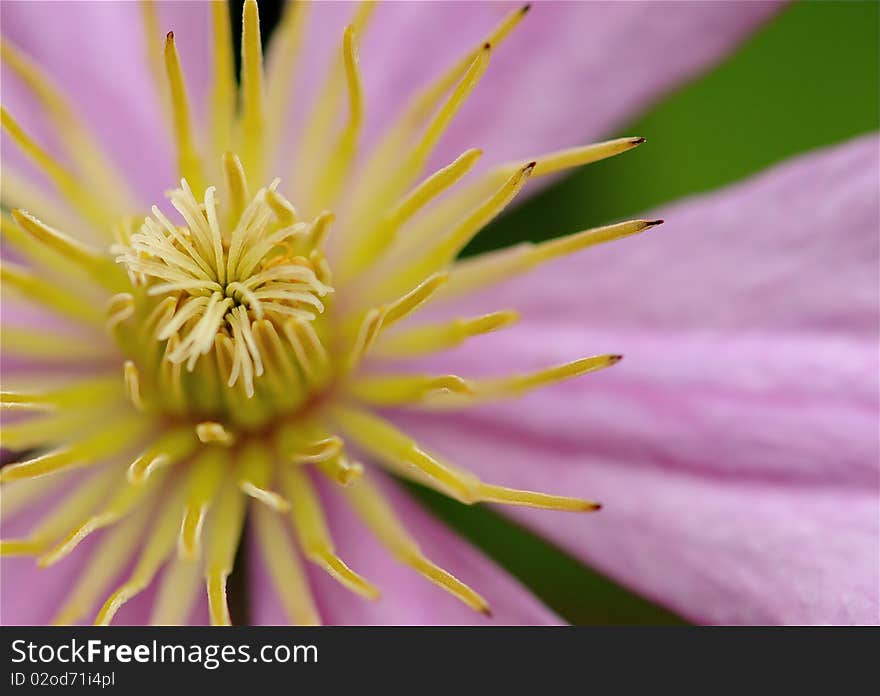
{"x": 259, "y": 351}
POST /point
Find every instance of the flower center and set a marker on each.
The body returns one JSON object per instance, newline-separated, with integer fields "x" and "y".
{"x": 244, "y": 358}
{"x": 234, "y": 297}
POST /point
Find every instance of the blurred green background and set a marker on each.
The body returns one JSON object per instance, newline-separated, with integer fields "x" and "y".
{"x": 808, "y": 79}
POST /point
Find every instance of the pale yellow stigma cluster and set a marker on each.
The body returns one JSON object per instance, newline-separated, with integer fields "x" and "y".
{"x": 236, "y": 355}
{"x": 262, "y": 279}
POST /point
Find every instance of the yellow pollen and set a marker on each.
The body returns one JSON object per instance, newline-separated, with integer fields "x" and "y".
{"x": 231, "y": 349}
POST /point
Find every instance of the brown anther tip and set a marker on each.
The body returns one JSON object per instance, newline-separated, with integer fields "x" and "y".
{"x": 596, "y": 507}
{"x": 637, "y": 141}
{"x": 525, "y": 8}
{"x": 529, "y": 167}
{"x": 169, "y": 36}
{"x": 654, "y": 223}
{"x": 487, "y": 46}
{"x": 486, "y": 611}
{"x": 615, "y": 359}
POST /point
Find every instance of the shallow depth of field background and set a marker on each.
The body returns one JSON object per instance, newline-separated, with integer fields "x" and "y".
{"x": 808, "y": 79}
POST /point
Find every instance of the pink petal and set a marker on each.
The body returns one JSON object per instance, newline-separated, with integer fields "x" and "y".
{"x": 21, "y": 580}
{"x": 792, "y": 249}
{"x": 97, "y": 53}
{"x": 407, "y": 598}
{"x": 569, "y": 73}
{"x": 735, "y": 448}
{"x": 738, "y": 475}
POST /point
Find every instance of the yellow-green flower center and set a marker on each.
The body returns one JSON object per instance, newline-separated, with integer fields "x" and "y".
{"x": 239, "y": 373}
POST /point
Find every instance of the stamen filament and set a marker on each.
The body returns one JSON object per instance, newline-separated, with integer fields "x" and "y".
{"x": 66, "y": 182}
{"x": 252, "y": 109}
{"x": 437, "y": 337}
{"x": 255, "y": 475}
{"x": 84, "y": 453}
{"x": 113, "y": 552}
{"x": 205, "y": 479}
{"x": 50, "y": 296}
{"x": 314, "y": 537}
{"x": 125, "y": 498}
{"x": 72, "y": 508}
{"x": 377, "y": 514}
{"x": 225, "y": 529}
{"x": 223, "y": 92}
{"x": 340, "y": 158}
{"x": 188, "y": 163}
{"x": 285, "y": 571}
{"x": 396, "y": 390}
{"x": 158, "y": 547}
{"x": 378, "y": 437}
{"x": 451, "y": 245}
{"x": 470, "y": 275}
{"x": 171, "y": 448}
{"x": 383, "y": 234}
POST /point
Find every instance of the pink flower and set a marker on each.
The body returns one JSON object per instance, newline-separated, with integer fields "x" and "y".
{"x": 244, "y": 352}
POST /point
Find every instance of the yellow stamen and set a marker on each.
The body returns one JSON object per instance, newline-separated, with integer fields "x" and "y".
{"x": 341, "y": 470}
{"x": 84, "y": 453}
{"x": 89, "y": 392}
{"x": 131, "y": 377}
{"x": 19, "y": 495}
{"x": 252, "y": 101}
{"x": 204, "y": 481}
{"x": 61, "y": 426}
{"x": 50, "y": 296}
{"x": 285, "y": 570}
{"x": 76, "y": 505}
{"x": 378, "y": 515}
{"x": 236, "y": 183}
{"x": 210, "y": 432}
{"x": 414, "y": 299}
{"x": 223, "y": 91}
{"x": 158, "y": 547}
{"x": 172, "y": 447}
{"x": 436, "y": 337}
{"x": 517, "y": 385}
{"x": 569, "y": 158}
{"x": 470, "y": 275}
{"x": 380, "y": 438}
{"x": 105, "y": 563}
{"x": 383, "y": 233}
{"x": 86, "y": 155}
{"x": 420, "y": 153}
{"x": 315, "y": 136}
{"x": 35, "y": 251}
{"x": 178, "y": 590}
{"x": 295, "y": 447}
{"x": 19, "y": 192}
{"x": 37, "y": 345}
{"x": 366, "y": 336}
{"x": 188, "y": 163}
{"x": 431, "y": 95}
{"x": 255, "y": 474}
{"x": 91, "y": 260}
{"x": 395, "y": 390}
{"x": 423, "y": 105}
{"x": 340, "y": 159}
{"x": 314, "y": 537}
{"x": 223, "y": 534}
{"x": 66, "y": 182}
{"x": 511, "y": 496}
{"x": 284, "y": 50}
{"x": 450, "y": 246}
{"x": 126, "y": 498}
{"x": 151, "y": 34}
